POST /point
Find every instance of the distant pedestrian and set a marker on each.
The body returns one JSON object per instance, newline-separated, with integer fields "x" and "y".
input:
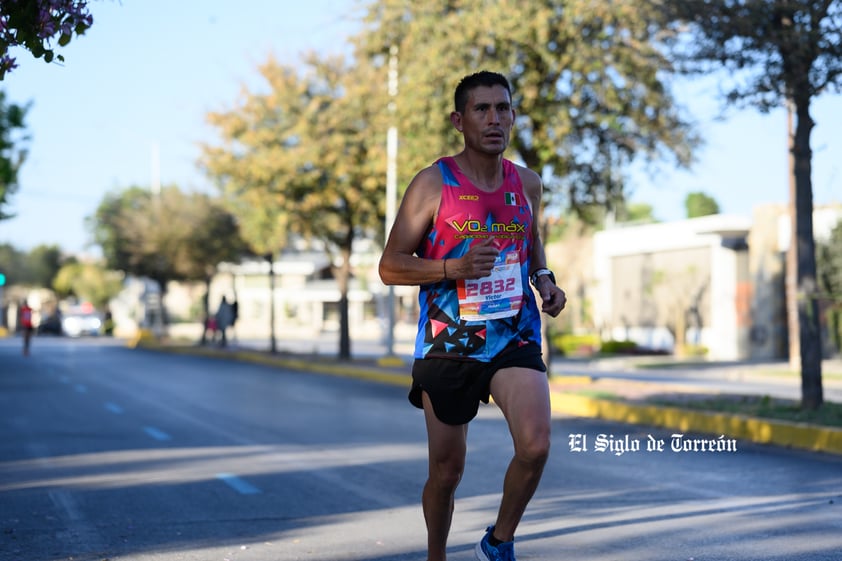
{"x": 224, "y": 320}
{"x": 25, "y": 323}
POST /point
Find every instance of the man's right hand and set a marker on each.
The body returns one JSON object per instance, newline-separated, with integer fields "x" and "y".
{"x": 477, "y": 263}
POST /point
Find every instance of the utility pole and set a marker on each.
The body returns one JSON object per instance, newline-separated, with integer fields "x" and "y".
{"x": 158, "y": 317}
{"x": 391, "y": 188}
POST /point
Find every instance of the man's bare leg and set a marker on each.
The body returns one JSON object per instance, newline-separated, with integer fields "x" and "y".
{"x": 524, "y": 398}
{"x": 447, "y": 448}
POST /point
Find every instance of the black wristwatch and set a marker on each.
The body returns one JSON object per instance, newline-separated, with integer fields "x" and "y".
{"x": 533, "y": 278}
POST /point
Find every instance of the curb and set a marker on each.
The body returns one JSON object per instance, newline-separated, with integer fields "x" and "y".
{"x": 761, "y": 431}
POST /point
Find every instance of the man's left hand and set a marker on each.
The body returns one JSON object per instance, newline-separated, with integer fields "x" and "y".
{"x": 553, "y": 298}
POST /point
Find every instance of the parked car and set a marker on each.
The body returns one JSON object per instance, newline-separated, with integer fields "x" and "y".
{"x": 50, "y": 325}
{"x": 81, "y": 321}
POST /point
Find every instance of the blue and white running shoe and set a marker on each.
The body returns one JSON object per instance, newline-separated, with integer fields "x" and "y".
{"x": 487, "y": 552}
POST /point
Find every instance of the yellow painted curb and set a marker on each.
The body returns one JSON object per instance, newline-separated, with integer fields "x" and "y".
{"x": 763, "y": 431}
{"x": 391, "y": 361}
{"x": 291, "y": 363}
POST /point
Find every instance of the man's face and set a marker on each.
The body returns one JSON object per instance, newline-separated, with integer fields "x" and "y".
{"x": 487, "y": 120}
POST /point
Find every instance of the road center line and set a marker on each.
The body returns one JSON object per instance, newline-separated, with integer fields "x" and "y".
{"x": 241, "y": 486}
{"x": 114, "y": 408}
{"x": 157, "y": 434}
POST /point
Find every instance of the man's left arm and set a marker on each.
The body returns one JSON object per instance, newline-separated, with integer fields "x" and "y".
{"x": 553, "y": 298}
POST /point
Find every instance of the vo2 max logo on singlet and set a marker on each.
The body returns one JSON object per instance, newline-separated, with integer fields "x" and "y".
{"x": 477, "y": 226}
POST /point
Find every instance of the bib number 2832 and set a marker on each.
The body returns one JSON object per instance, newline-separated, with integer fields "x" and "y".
{"x": 496, "y": 296}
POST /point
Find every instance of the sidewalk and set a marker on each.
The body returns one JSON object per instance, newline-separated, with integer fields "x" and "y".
{"x": 590, "y": 391}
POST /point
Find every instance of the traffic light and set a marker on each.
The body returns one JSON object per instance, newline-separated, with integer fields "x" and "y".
{"x": 2, "y": 279}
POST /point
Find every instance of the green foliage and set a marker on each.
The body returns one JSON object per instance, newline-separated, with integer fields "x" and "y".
{"x": 771, "y": 50}
{"x": 618, "y": 347}
{"x": 12, "y": 264}
{"x": 44, "y": 264}
{"x": 306, "y": 157}
{"x": 637, "y": 212}
{"x": 829, "y": 265}
{"x": 88, "y": 282}
{"x": 764, "y": 407}
{"x": 700, "y": 204}
{"x": 166, "y": 236}
{"x": 32, "y": 24}
{"x": 577, "y": 345}
{"x": 587, "y": 76}
{"x": 12, "y": 154}
{"x": 36, "y": 268}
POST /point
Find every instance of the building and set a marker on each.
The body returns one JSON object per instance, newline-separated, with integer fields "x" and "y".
{"x": 686, "y": 280}
{"x": 712, "y": 285}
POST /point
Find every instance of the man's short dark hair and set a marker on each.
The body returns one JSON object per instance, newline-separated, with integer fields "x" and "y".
{"x": 483, "y": 78}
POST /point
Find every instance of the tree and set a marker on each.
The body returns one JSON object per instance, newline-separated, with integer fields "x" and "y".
{"x": 12, "y": 155}
{"x": 311, "y": 146}
{"x": 36, "y": 268}
{"x": 778, "y": 53}
{"x": 88, "y": 282}
{"x": 700, "y": 204}
{"x": 588, "y": 85}
{"x": 215, "y": 238}
{"x": 33, "y": 24}
{"x": 43, "y": 264}
{"x": 249, "y": 167}
{"x": 637, "y": 212}
{"x": 164, "y": 236}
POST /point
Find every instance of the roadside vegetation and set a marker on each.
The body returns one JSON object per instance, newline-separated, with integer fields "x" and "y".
{"x": 763, "y": 407}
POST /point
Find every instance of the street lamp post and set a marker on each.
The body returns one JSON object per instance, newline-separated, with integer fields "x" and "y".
{"x": 391, "y": 188}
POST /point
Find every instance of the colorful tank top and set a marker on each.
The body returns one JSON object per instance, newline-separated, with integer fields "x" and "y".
{"x": 476, "y": 319}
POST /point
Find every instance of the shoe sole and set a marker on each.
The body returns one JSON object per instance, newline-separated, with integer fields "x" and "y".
{"x": 480, "y": 554}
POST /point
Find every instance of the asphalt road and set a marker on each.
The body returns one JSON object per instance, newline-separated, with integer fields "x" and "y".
{"x": 109, "y": 453}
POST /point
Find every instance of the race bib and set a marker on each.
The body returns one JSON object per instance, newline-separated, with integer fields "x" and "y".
{"x": 499, "y": 295}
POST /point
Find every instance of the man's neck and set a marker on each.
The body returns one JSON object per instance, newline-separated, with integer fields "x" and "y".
{"x": 484, "y": 170}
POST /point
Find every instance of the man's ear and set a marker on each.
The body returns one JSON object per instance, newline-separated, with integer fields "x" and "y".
{"x": 456, "y": 119}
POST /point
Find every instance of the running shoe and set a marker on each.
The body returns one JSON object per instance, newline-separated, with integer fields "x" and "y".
{"x": 487, "y": 552}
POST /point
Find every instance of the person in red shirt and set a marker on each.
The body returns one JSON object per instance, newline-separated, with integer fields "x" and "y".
{"x": 25, "y": 322}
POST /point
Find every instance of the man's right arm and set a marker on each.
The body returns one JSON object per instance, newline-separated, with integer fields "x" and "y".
{"x": 399, "y": 264}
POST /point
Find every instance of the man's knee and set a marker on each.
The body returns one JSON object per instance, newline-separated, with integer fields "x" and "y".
{"x": 447, "y": 474}
{"x": 533, "y": 450}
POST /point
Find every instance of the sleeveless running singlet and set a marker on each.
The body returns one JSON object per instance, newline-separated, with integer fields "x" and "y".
{"x": 478, "y": 318}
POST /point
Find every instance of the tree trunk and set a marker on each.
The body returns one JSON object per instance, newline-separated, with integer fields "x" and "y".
{"x": 162, "y": 320}
{"x": 273, "y": 340}
{"x": 680, "y": 335}
{"x": 343, "y": 279}
{"x": 205, "y": 312}
{"x": 808, "y": 304}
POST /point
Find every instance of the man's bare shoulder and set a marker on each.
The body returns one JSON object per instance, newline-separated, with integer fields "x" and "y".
{"x": 530, "y": 179}
{"x": 526, "y": 174}
{"x": 430, "y": 175}
{"x": 426, "y": 183}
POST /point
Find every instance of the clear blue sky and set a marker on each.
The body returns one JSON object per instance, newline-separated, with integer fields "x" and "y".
{"x": 148, "y": 71}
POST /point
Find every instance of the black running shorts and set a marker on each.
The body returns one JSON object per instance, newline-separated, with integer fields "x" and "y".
{"x": 457, "y": 386}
